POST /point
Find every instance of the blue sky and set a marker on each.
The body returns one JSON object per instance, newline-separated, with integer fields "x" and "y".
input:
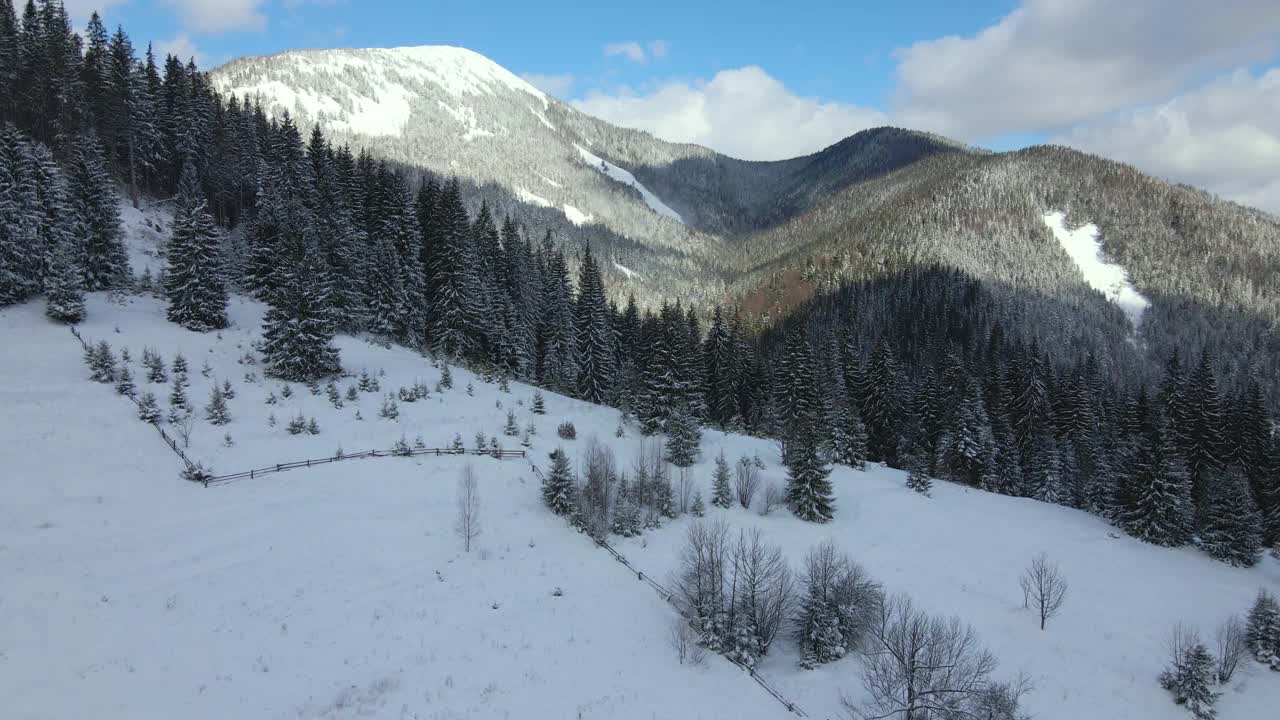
{"x": 1186, "y": 89}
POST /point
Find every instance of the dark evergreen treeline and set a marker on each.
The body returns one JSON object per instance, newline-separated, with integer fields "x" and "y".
{"x": 928, "y": 370}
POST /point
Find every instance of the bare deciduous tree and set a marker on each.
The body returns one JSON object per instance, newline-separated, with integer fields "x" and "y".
{"x": 599, "y": 472}
{"x": 747, "y": 481}
{"x": 917, "y": 667}
{"x": 183, "y": 427}
{"x": 467, "y": 524}
{"x": 699, "y": 582}
{"x": 761, "y": 586}
{"x": 1043, "y": 587}
{"x": 684, "y": 640}
{"x": 1181, "y": 638}
{"x": 1233, "y": 647}
{"x": 684, "y": 489}
{"x": 773, "y": 497}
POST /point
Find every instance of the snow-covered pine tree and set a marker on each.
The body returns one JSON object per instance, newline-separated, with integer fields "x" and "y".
{"x": 1158, "y": 508}
{"x": 1230, "y": 525}
{"x": 298, "y": 328}
{"x": 1203, "y": 444}
{"x": 103, "y": 363}
{"x": 93, "y": 199}
{"x": 558, "y": 490}
{"x": 683, "y": 439}
{"x": 124, "y": 382}
{"x": 64, "y": 286}
{"x": 848, "y": 435}
{"x": 1045, "y": 472}
{"x": 179, "y": 406}
{"x": 809, "y": 493}
{"x": 216, "y": 411}
{"x": 193, "y": 282}
{"x": 512, "y": 428}
{"x": 148, "y": 408}
{"x": 539, "y": 406}
{"x": 1262, "y": 629}
{"x": 1194, "y": 683}
{"x": 721, "y": 492}
{"x": 593, "y": 336}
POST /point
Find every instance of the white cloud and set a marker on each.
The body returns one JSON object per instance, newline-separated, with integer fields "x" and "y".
{"x": 554, "y": 85}
{"x": 80, "y": 10}
{"x": 1224, "y": 137}
{"x": 744, "y": 113}
{"x": 180, "y": 46}
{"x": 658, "y": 48}
{"x": 632, "y": 51}
{"x": 1052, "y": 63}
{"x": 214, "y": 16}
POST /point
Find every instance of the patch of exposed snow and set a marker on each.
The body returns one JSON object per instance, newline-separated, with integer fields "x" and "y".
{"x": 631, "y": 274}
{"x": 576, "y": 216}
{"x": 458, "y": 70}
{"x": 146, "y": 231}
{"x": 528, "y": 197}
{"x": 626, "y": 178}
{"x": 1084, "y": 247}
{"x": 543, "y": 118}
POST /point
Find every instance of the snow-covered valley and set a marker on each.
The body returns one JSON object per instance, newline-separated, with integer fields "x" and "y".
{"x": 342, "y": 591}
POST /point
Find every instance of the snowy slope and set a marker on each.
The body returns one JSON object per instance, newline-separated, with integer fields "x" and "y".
{"x": 1085, "y": 248}
{"x": 626, "y": 178}
{"x": 341, "y": 591}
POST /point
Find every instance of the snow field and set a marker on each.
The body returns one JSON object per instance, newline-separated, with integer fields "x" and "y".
{"x": 313, "y": 593}
{"x": 1085, "y": 249}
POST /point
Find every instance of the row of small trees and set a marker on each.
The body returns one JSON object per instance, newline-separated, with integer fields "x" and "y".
{"x": 738, "y": 595}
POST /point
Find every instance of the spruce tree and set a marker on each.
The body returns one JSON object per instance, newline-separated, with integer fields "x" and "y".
{"x": 1158, "y": 504}
{"x": 558, "y": 491}
{"x": 721, "y": 492}
{"x": 593, "y": 336}
{"x": 683, "y": 439}
{"x": 298, "y": 328}
{"x": 1230, "y": 528}
{"x": 216, "y": 411}
{"x": 148, "y": 408}
{"x": 193, "y": 282}
{"x": 64, "y": 286}
{"x": 848, "y": 436}
{"x": 93, "y": 199}
{"x": 124, "y": 382}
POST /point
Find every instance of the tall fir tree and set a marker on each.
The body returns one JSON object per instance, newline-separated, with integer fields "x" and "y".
{"x": 194, "y": 284}
{"x": 593, "y": 335}
{"x": 1230, "y": 526}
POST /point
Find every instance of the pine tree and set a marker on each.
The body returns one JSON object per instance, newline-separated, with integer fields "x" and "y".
{"x": 179, "y": 406}
{"x": 966, "y": 447}
{"x": 193, "y": 282}
{"x": 539, "y": 407}
{"x": 180, "y": 368}
{"x": 64, "y": 286}
{"x": 512, "y": 428}
{"x": 216, "y": 411}
{"x": 1204, "y": 444}
{"x": 683, "y": 439}
{"x": 1045, "y": 475}
{"x": 1230, "y": 526}
{"x": 1158, "y": 505}
{"x": 593, "y": 335}
{"x": 124, "y": 382}
{"x": 721, "y": 493}
{"x": 298, "y": 328}
{"x": 848, "y": 436}
{"x": 558, "y": 491}
{"x": 148, "y": 408}
{"x": 1193, "y": 680}
{"x": 1262, "y": 629}
{"x": 93, "y": 199}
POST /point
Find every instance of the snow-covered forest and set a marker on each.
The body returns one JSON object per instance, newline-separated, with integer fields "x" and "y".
{"x": 941, "y": 364}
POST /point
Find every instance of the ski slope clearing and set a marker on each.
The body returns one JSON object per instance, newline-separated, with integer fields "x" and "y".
{"x": 1085, "y": 248}
{"x": 342, "y": 591}
{"x": 626, "y": 178}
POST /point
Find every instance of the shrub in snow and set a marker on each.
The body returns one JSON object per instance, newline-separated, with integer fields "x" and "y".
{"x": 271, "y": 420}
{"x": 512, "y": 428}
{"x": 148, "y": 408}
{"x": 531, "y": 429}
{"x": 406, "y": 395}
{"x": 446, "y": 377}
{"x": 420, "y": 391}
{"x": 773, "y": 496}
{"x": 747, "y": 481}
{"x": 205, "y": 369}
{"x": 297, "y": 426}
{"x": 313, "y": 427}
{"x": 480, "y": 441}
{"x": 365, "y": 382}
{"x": 286, "y": 391}
{"x": 352, "y": 393}
{"x": 227, "y": 441}
{"x": 227, "y": 390}
{"x": 503, "y": 385}
{"x": 178, "y": 403}
{"x": 389, "y": 409}
{"x": 567, "y": 431}
{"x": 471, "y": 391}
{"x": 539, "y": 406}
{"x": 620, "y": 431}
{"x": 313, "y": 387}
{"x": 525, "y": 441}
{"x": 335, "y": 398}
{"x": 1232, "y": 647}
{"x": 196, "y": 473}
{"x": 698, "y": 509}
{"x": 271, "y": 398}
{"x": 401, "y": 448}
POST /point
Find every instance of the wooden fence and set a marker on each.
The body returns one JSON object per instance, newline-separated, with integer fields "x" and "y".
{"x": 281, "y": 467}
{"x": 670, "y": 599}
